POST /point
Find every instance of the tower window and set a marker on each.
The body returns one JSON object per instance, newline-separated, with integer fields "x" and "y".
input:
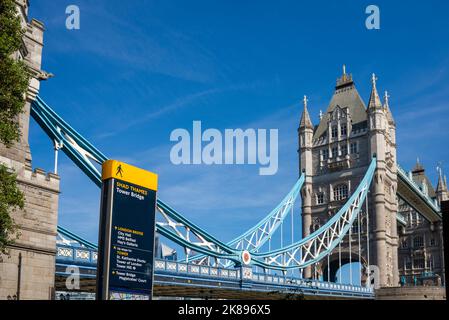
{"x": 344, "y": 129}
{"x": 334, "y": 152}
{"x": 334, "y": 132}
{"x": 354, "y": 148}
{"x": 341, "y": 192}
{"x": 325, "y": 154}
{"x": 432, "y": 242}
{"x": 320, "y": 198}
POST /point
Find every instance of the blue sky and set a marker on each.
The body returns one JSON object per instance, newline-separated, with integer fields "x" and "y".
{"x": 136, "y": 70}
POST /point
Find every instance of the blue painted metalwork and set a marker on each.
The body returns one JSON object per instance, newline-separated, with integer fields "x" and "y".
{"x": 185, "y": 233}
{"x": 81, "y": 152}
{"x": 178, "y": 228}
{"x": 193, "y": 275}
{"x": 433, "y": 205}
{"x": 322, "y": 242}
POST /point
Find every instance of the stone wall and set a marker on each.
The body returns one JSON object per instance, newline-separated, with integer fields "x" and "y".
{"x": 411, "y": 293}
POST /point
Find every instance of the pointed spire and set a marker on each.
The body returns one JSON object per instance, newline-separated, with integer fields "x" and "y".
{"x": 374, "y": 100}
{"x": 386, "y": 99}
{"x": 305, "y": 118}
{"x": 387, "y": 108}
{"x": 418, "y": 167}
{"x": 440, "y": 184}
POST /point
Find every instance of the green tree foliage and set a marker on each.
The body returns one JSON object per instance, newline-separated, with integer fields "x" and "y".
{"x": 14, "y": 76}
{"x": 14, "y": 79}
{"x": 11, "y": 198}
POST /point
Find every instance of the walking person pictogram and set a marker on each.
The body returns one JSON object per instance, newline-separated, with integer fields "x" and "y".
{"x": 119, "y": 171}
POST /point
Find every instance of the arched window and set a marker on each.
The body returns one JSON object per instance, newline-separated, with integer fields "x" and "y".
{"x": 340, "y": 192}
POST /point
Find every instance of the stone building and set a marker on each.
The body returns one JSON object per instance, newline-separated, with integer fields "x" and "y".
{"x": 335, "y": 155}
{"x": 421, "y": 252}
{"x": 27, "y": 272}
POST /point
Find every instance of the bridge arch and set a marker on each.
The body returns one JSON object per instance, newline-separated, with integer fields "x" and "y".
{"x": 335, "y": 263}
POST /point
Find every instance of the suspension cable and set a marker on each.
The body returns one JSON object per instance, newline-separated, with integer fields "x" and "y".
{"x": 360, "y": 248}
{"x": 367, "y": 243}
{"x": 350, "y": 254}
{"x": 328, "y": 261}
{"x": 339, "y": 262}
{"x": 292, "y": 227}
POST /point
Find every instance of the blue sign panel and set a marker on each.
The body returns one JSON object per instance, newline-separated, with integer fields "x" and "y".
{"x": 132, "y": 237}
{"x": 127, "y": 227}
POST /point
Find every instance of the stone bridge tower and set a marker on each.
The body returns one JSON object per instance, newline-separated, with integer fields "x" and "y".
{"x": 28, "y": 271}
{"x": 335, "y": 155}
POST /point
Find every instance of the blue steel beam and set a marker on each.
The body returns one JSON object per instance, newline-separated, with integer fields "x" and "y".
{"x": 82, "y": 152}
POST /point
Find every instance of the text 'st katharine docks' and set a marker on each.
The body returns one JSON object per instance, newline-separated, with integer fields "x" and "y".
{"x": 126, "y": 235}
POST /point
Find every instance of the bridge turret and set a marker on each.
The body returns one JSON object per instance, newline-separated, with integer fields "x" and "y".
{"x": 305, "y": 135}
{"x": 305, "y": 132}
{"x": 382, "y": 136}
{"x": 441, "y": 191}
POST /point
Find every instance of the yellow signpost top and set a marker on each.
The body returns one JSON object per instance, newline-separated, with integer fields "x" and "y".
{"x": 113, "y": 169}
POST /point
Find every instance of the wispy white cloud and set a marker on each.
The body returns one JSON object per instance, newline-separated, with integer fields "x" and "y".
{"x": 154, "y": 47}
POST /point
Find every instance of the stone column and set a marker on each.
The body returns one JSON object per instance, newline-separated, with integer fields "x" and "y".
{"x": 307, "y": 218}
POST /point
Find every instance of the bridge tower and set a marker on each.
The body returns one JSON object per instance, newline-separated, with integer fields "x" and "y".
{"x": 28, "y": 271}
{"x": 335, "y": 160}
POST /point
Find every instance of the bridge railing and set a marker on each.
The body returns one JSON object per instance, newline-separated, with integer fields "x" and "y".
{"x": 74, "y": 256}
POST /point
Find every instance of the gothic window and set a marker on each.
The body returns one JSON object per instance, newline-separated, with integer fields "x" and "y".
{"x": 354, "y": 148}
{"x": 432, "y": 242}
{"x": 340, "y": 192}
{"x": 325, "y": 154}
{"x": 320, "y": 198}
{"x": 418, "y": 242}
{"x": 334, "y": 132}
{"x": 344, "y": 129}
{"x": 334, "y": 152}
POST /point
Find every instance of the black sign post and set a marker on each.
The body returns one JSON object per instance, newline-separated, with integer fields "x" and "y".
{"x": 127, "y": 227}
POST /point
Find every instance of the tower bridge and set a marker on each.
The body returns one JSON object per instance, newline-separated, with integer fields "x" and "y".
{"x": 350, "y": 185}
{"x": 356, "y": 203}
{"x": 340, "y": 211}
